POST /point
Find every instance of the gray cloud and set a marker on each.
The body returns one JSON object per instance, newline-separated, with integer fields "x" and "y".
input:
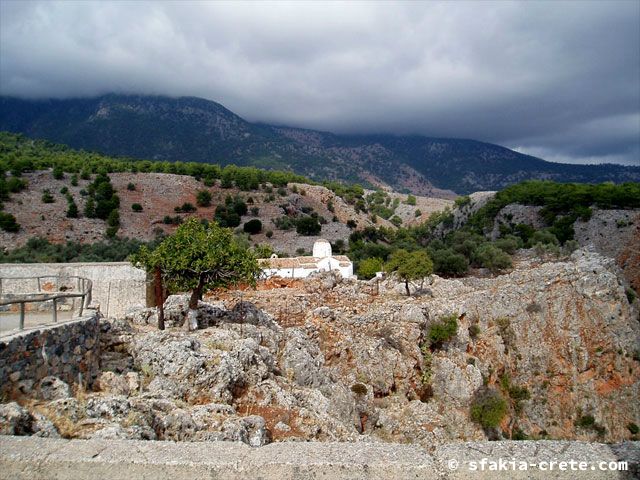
{"x": 556, "y": 79}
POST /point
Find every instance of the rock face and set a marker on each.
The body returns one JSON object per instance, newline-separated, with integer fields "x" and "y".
{"x": 329, "y": 360}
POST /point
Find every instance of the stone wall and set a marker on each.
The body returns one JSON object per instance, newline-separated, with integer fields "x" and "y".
{"x": 70, "y": 351}
{"x": 50, "y": 458}
{"x": 117, "y": 287}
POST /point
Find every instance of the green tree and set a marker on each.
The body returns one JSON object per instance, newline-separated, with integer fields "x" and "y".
{"x": 308, "y": 226}
{"x": 253, "y": 226}
{"x": 410, "y": 266}
{"x": 203, "y": 198}
{"x": 8, "y": 222}
{"x": 369, "y": 267}
{"x": 199, "y": 258}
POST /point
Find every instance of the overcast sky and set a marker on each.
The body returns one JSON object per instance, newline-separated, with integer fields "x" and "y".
{"x": 553, "y": 79}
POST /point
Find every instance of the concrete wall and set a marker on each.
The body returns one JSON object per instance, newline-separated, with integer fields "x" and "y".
{"x": 70, "y": 351}
{"x": 47, "y": 458}
{"x": 117, "y": 287}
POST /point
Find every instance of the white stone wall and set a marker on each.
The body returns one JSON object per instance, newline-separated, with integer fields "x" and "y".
{"x": 117, "y": 286}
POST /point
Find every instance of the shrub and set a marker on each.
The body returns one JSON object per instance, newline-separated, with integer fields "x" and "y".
{"x": 308, "y": 226}
{"x": 491, "y": 257}
{"x": 443, "y": 331}
{"x": 186, "y": 207}
{"x": 350, "y": 223}
{"x": 203, "y": 198}
{"x": 448, "y": 263}
{"x": 411, "y": 200}
{"x": 631, "y": 294}
{"x": 8, "y": 222}
{"x": 90, "y": 208}
{"x": 359, "y": 389}
{"x": 47, "y": 197}
{"x": 282, "y": 192}
{"x": 474, "y": 330}
{"x": 72, "y": 209}
{"x": 417, "y": 213}
{"x": 253, "y": 226}
{"x": 136, "y": 207}
{"x": 633, "y": 428}
{"x": 74, "y": 180}
{"x": 255, "y": 211}
{"x": 64, "y": 190}
{"x": 131, "y": 186}
{"x": 369, "y": 267}
{"x": 396, "y": 220}
{"x": 58, "y": 173}
{"x": 269, "y": 233}
{"x": 488, "y": 408}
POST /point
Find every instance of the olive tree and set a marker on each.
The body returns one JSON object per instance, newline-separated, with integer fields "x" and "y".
{"x": 199, "y": 258}
{"x": 410, "y": 266}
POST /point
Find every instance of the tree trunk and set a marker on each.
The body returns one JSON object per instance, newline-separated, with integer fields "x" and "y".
{"x": 406, "y": 286}
{"x": 196, "y": 295}
{"x": 159, "y": 293}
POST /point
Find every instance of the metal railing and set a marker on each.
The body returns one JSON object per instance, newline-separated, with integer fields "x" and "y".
{"x": 66, "y": 287}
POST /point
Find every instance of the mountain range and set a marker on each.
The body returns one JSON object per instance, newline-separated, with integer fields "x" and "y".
{"x": 195, "y": 129}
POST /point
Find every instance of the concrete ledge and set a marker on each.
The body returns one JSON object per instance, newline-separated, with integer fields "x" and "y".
{"x": 44, "y": 458}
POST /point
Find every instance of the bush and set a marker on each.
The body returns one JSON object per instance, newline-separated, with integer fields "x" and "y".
{"x": 136, "y": 207}
{"x": 186, "y": 207}
{"x": 282, "y": 192}
{"x": 443, "y": 331}
{"x": 131, "y": 187}
{"x": 396, "y": 220}
{"x": 74, "y": 180}
{"x": 369, "y": 267}
{"x": 253, "y": 226}
{"x": 8, "y": 222}
{"x": 203, "y": 198}
{"x": 308, "y": 226}
{"x": 269, "y": 233}
{"x": 411, "y": 200}
{"x": 58, "y": 173}
{"x": 448, "y": 263}
{"x": 633, "y": 428}
{"x": 474, "y": 330}
{"x": 491, "y": 257}
{"x": 47, "y": 197}
{"x": 64, "y": 190}
{"x": 631, "y": 294}
{"x": 72, "y": 210}
{"x": 488, "y": 408}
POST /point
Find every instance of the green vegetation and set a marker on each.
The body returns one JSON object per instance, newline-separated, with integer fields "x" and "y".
{"x": 633, "y": 428}
{"x": 21, "y": 154}
{"x": 8, "y": 222}
{"x": 40, "y": 250}
{"x": 588, "y": 422}
{"x": 136, "y": 207}
{"x": 186, "y": 207}
{"x": 47, "y": 197}
{"x": 253, "y": 226}
{"x": 488, "y": 408}
{"x": 443, "y": 331}
{"x": 203, "y": 198}
{"x": 308, "y": 226}
{"x": 563, "y": 203}
{"x": 410, "y": 266}
{"x": 369, "y": 267}
{"x": 199, "y": 258}
{"x": 131, "y": 186}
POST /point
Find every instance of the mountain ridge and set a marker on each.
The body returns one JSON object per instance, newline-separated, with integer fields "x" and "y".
{"x": 196, "y": 129}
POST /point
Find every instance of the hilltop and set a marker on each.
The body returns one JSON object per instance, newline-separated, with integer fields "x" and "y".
{"x": 195, "y": 129}
{"x": 43, "y": 177}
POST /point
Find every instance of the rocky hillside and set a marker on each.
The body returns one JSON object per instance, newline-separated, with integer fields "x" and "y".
{"x": 194, "y": 129}
{"x": 555, "y": 344}
{"x": 159, "y": 194}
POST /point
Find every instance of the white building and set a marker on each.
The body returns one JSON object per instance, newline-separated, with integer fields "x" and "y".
{"x": 322, "y": 260}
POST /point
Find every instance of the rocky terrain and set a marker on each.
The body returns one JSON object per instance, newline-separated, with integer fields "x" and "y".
{"x": 344, "y": 360}
{"x": 160, "y": 193}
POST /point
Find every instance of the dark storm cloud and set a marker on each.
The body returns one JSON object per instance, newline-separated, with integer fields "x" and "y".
{"x": 556, "y": 79}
